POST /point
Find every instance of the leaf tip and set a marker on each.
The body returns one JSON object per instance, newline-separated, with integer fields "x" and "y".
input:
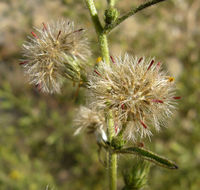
{"x": 175, "y": 167}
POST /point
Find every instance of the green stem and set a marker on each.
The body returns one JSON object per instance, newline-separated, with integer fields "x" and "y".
{"x": 94, "y": 15}
{"x": 102, "y": 38}
{"x": 112, "y": 171}
{"x": 111, "y": 26}
{"x": 103, "y": 43}
{"x": 112, "y": 157}
{"x": 111, "y": 3}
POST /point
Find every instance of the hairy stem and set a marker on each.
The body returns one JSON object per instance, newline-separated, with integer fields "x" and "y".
{"x": 94, "y": 16}
{"x": 111, "y": 3}
{"x": 112, "y": 171}
{"x": 102, "y": 38}
{"x": 103, "y": 43}
{"x": 112, "y": 157}
{"x": 111, "y": 26}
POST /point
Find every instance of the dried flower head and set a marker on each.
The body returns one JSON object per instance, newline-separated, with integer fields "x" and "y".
{"x": 54, "y": 53}
{"x": 91, "y": 121}
{"x": 138, "y": 92}
{"x": 88, "y": 119}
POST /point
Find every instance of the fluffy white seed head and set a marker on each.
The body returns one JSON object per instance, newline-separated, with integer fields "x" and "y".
{"x": 137, "y": 91}
{"x": 54, "y": 53}
{"x": 89, "y": 120}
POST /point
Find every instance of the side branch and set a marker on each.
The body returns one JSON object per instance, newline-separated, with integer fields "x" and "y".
{"x": 109, "y": 27}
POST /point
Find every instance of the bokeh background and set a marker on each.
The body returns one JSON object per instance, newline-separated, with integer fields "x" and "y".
{"x": 37, "y": 146}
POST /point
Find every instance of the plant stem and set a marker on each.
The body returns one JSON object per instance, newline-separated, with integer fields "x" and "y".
{"x": 111, "y": 26}
{"x": 112, "y": 157}
{"x": 102, "y": 38}
{"x": 112, "y": 171}
{"x": 103, "y": 43}
{"x": 94, "y": 16}
{"x": 111, "y": 3}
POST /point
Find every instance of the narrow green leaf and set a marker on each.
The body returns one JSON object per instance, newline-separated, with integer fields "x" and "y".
{"x": 150, "y": 156}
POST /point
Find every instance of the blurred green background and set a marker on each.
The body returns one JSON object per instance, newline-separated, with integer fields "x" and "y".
{"x": 37, "y": 146}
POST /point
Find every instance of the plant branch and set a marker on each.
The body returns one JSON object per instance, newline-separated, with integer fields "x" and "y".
{"x": 102, "y": 38}
{"x": 111, "y": 26}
